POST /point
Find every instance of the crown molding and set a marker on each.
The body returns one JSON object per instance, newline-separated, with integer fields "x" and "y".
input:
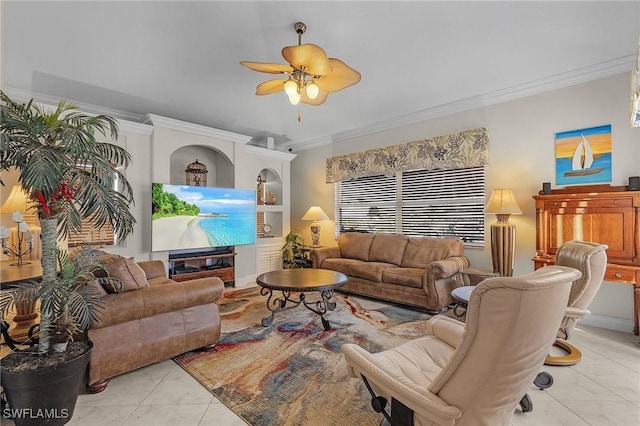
{"x": 127, "y": 122}
{"x": 25, "y": 96}
{"x": 172, "y": 123}
{"x": 270, "y": 153}
{"x": 558, "y": 81}
{"x": 313, "y": 143}
{"x": 139, "y": 123}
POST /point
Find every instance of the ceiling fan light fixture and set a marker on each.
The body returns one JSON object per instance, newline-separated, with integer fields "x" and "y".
{"x": 290, "y": 87}
{"x": 309, "y": 76}
{"x": 312, "y": 90}
{"x": 295, "y": 98}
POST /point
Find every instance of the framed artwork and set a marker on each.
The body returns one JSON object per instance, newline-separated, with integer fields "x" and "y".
{"x": 583, "y": 156}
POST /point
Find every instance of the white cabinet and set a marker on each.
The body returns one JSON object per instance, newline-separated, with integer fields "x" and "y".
{"x": 269, "y": 257}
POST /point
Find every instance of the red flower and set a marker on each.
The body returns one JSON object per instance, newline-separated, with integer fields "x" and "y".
{"x": 39, "y": 196}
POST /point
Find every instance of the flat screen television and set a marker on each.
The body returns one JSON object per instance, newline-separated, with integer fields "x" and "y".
{"x": 198, "y": 217}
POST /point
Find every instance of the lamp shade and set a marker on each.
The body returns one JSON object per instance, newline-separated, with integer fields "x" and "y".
{"x": 502, "y": 201}
{"x": 18, "y": 201}
{"x": 315, "y": 213}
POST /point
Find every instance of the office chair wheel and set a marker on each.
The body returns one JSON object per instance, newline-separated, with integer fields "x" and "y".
{"x": 526, "y": 404}
{"x": 543, "y": 380}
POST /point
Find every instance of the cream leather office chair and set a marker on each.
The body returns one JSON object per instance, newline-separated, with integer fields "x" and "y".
{"x": 590, "y": 259}
{"x": 472, "y": 373}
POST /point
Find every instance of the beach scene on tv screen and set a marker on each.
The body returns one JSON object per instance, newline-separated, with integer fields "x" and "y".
{"x": 186, "y": 217}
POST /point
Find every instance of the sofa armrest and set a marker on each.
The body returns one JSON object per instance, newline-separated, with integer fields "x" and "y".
{"x": 447, "y": 267}
{"x": 214, "y": 287}
{"x": 153, "y": 269}
{"x": 441, "y": 277}
{"x": 320, "y": 254}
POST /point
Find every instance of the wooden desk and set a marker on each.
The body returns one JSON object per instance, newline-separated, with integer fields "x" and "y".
{"x": 600, "y": 213}
{"x": 26, "y": 313}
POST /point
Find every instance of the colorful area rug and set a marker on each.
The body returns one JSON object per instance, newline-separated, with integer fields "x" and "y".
{"x": 292, "y": 372}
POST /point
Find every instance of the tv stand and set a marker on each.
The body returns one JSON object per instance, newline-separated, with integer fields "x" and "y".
{"x": 214, "y": 263}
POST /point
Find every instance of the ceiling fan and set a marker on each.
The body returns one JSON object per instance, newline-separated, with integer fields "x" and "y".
{"x": 311, "y": 74}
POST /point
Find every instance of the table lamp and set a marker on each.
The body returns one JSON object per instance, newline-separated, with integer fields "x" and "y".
{"x": 23, "y": 240}
{"x": 315, "y": 214}
{"x": 503, "y": 233}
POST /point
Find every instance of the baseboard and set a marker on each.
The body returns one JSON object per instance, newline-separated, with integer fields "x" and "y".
{"x": 609, "y": 323}
{"x": 246, "y": 281}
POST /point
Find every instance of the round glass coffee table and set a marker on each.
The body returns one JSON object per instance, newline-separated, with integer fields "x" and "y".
{"x": 299, "y": 281}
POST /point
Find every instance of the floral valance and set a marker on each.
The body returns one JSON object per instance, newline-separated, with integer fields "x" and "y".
{"x": 469, "y": 148}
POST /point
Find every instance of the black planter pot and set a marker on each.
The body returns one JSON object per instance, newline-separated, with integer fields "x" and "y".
{"x": 46, "y": 396}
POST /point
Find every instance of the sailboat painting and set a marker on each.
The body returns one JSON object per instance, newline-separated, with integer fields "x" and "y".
{"x": 583, "y": 156}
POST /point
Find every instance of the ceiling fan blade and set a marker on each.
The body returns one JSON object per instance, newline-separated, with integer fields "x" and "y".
{"x": 312, "y": 57}
{"x": 270, "y": 86}
{"x": 342, "y": 77}
{"x": 319, "y": 100}
{"x": 267, "y": 67}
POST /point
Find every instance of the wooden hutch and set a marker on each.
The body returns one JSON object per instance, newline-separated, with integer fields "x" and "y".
{"x": 600, "y": 213}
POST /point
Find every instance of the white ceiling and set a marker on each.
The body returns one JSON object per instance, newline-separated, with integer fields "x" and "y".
{"x": 181, "y": 59}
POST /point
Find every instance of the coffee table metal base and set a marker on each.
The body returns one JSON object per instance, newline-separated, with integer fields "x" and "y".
{"x": 277, "y": 303}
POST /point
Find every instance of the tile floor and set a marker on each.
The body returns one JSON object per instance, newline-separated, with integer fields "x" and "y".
{"x": 603, "y": 389}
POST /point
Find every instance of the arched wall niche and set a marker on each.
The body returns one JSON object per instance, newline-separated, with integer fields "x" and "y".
{"x": 220, "y": 168}
{"x": 272, "y": 183}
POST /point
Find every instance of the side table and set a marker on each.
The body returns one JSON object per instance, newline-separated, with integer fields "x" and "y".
{"x": 470, "y": 277}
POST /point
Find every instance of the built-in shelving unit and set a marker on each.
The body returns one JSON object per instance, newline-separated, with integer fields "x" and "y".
{"x": 269, "y": 206}
{"x": 231, "y": 162}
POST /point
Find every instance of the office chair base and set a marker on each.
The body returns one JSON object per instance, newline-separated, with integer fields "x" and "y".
{"x": 573, "y": 354}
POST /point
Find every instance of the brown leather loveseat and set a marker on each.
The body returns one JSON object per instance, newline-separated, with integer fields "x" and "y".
{"x": 416, "y": 271}
{"x": 152, "y": 320}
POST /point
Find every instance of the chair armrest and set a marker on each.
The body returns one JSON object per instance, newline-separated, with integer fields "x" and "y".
{"x": 447, "y": 329}
{"x": 391, "y": 383}
{"x": 577, "y": 313}
{"x": 320, "y": 254}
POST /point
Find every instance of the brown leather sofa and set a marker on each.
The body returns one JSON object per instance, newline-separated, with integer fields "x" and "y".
{"x": 415, "y": 271}
{"x": 153, "y": 319}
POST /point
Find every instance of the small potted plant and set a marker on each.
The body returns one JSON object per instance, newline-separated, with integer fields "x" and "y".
{"x": 69, "y": 176}
{"x": 292, "y": 254}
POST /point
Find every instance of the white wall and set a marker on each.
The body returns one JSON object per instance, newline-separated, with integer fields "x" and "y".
{"x": 522, "y": 156}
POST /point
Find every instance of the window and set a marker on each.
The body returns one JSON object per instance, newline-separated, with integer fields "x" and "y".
{"x": 431, "y": 203}
{"x": 91, "y": 232}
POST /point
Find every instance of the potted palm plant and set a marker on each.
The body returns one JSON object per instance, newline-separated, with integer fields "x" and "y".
{"x": 70, "y": 176}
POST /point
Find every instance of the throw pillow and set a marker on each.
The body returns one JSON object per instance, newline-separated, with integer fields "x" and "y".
{"x": 126, "y": 270}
